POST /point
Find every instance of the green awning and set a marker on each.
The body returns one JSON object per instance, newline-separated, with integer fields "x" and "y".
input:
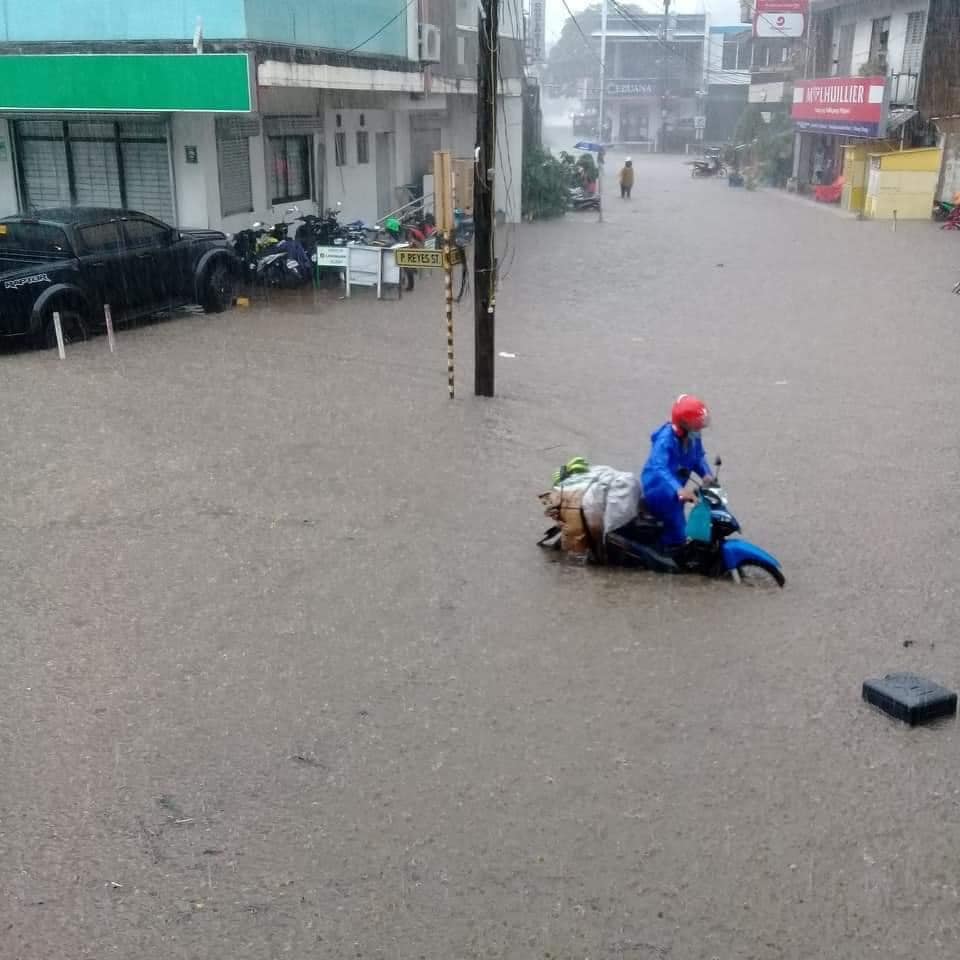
{"x": 219, "y": 82}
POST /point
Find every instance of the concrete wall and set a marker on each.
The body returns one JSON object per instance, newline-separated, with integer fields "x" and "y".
{"x": 863, "y": 16}
{"x": 8, "y": 183}
{"x": 336, "y": 24}
{"x": 197, "y": 185}
{"x": 92, "y": 20}
{"x": 459, "y": 136}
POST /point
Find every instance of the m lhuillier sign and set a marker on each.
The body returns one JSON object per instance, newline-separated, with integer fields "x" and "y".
{"x": 845, "y": 106}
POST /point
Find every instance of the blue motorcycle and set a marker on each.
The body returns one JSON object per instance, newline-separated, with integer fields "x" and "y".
{"x": 710, "y": 552}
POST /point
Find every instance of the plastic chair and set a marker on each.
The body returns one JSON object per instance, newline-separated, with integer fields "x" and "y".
{"x": 830, "y": 192}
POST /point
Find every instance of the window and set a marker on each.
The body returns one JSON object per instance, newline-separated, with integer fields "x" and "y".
{"x": 879, "y": 39}
{"x": 33, "y": 238}
{"x": 844, "y": 63}
{"x": 101, "y": 238}
{"x": 736, "y": 52}
{"x": 236, "y": 185}
{"x": 340, "y": 148}
{"x": 289, "y": 168}
{"x": 144, "y": 233}
{"x": 913, "y": 45}
{"x": 96, "y": 163}
{"x": 363, "y": 146}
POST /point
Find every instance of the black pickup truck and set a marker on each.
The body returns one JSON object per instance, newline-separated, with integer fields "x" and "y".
{"x": 76, "y": 260}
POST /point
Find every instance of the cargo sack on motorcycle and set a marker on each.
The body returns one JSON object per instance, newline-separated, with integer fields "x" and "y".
{"x": 700, "y": 523}
{"x": 588, "y": 505}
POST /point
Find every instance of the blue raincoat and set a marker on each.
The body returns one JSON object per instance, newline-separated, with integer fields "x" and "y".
{"x": 660, "y": 479}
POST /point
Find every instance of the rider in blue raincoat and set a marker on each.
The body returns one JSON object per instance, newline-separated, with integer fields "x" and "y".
{"x": 676, "y": 451}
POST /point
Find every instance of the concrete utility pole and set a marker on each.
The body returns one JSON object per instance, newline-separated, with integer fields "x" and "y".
{"x": 603, "y": 85}
{"x": 665, "y": 73}
{"x": 484, "y": 253}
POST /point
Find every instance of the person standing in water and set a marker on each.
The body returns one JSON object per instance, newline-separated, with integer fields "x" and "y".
{"x": 626, "y": 179}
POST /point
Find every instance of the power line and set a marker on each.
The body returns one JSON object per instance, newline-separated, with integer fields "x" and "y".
{"x": 586, "y": 39}
{"x": 389, "y": 23}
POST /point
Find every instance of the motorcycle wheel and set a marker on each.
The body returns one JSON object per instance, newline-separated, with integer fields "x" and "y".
{"x": 756, "y": 573}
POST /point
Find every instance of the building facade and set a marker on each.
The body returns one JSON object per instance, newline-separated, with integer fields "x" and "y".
{"x": 220, "y": 112}
{"x": 872, "y": 53}
{"x": 729, "y": 62}
{"x": 654, "y": 90}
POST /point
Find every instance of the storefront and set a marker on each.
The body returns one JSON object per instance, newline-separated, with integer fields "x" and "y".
{"x": 97, "y": 130}
{"x": 830, "y": 113}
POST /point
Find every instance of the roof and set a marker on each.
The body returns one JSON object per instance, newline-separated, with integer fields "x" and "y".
{"x": 74, "y": 215}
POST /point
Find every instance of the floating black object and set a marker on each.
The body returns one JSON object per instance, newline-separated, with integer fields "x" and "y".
{"x": 910, "y": 698}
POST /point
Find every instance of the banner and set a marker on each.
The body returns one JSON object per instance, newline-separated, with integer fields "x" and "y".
{"x": 850, "y": 106}
{"x": 779, "y": 19}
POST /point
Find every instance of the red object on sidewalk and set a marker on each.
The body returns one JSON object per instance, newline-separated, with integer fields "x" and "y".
{"x": 831, "y": 192}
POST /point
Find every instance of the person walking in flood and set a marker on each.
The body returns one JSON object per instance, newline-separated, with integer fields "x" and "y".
{"x": 626, "y": 179}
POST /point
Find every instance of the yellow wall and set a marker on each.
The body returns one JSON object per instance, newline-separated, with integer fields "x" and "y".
{"x": 855, "y": 166}
{"x": 904, "y": 182}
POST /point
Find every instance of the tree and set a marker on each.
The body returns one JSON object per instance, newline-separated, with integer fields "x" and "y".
{"x": 573, "y": 59}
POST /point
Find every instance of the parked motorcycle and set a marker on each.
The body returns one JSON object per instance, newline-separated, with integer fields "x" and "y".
{"x": 708, "y": 167}
{"x": 714, "y": 550}
{"x": 581, "y": 199}
{"x": 284, "y": 264}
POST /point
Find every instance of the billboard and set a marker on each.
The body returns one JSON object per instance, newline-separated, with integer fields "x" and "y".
{"x": 845, "y": 106}
{"x": 537, "y": 37}
{"x": 779, "y": 19}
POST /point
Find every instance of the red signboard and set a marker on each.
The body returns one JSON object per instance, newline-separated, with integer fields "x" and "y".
{"x": 851, "y": 106}
{"x": 765, "y": 7}
{"x": 774, "y": 19}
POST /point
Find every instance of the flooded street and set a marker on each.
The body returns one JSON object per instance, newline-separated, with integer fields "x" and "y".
{"x": 284, "y": 674}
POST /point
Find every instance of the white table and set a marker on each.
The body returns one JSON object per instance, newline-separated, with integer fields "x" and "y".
{"x": 363, "y": 266}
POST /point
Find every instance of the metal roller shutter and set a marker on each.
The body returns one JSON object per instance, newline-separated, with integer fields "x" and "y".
{"x": 236, "y": 186}
{"x": 97, "y": 161}
{"x": 43, "y": 167}
{"x": 96, "y": 173}
{"x": 146, "y": 170}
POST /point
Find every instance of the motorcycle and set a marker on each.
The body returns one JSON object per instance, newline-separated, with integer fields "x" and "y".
{"x": 284, "y": 264}
{"x": 713, "y": 551}
{"x": 581, "y": 199}
{"x": 710, "y": 167}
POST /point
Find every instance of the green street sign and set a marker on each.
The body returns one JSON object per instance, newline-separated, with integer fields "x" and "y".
{"x": 129, "y": 83}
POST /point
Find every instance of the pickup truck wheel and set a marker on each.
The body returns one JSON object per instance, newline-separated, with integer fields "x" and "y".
{"x": 72, "y": 323}
{"x": 217, "y": 291}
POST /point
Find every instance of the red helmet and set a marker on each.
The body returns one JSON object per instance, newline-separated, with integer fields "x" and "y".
{"x": 689, "y": 414}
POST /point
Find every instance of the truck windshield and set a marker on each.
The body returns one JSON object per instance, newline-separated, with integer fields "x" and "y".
{"x": 20, "y": 239}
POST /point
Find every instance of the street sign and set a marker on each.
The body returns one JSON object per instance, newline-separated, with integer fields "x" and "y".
{"x": 337, "y": 258}
{"x": 419, "y": 258}
{"x": 699, "y": 123}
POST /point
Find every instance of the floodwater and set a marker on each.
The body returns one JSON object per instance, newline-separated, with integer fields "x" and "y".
{"x": 285, "y": 675}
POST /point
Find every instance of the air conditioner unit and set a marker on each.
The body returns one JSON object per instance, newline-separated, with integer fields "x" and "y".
{"x": 429, "y": 43}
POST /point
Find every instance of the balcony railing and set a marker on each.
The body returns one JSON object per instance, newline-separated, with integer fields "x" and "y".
{"x": 903, "y": 89}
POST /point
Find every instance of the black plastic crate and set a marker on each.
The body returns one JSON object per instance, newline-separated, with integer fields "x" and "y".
{"x": 910, "y": 698}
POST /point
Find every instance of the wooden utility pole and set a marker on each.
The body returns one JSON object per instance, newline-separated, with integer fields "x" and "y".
{"x": 484, "y": 253}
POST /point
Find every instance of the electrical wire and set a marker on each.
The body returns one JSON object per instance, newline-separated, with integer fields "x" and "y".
{"x": 389, "y": 23}
{"x": 586, "y": 39}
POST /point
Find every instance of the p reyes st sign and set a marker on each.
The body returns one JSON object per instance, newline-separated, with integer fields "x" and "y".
{"x": 845, "y": 106}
